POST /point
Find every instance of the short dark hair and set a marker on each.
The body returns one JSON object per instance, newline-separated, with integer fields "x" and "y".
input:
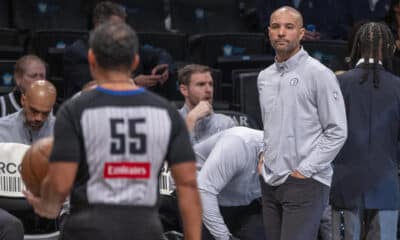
{"x": 114, "y": 45}
{"x": 104, "y": 10}
{"x": 185, "y": 73}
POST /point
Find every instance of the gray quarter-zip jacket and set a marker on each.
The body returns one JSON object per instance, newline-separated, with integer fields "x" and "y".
{"x": 304, "y": 119}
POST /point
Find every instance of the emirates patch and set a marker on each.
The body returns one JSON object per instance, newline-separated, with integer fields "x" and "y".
{"x": 129, "y": 170}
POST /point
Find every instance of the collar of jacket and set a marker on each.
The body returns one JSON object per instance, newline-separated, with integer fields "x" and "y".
{"x": 292, "y": 62}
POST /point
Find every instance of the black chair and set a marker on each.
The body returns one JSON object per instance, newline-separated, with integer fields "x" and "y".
{"x": 7, "y": 82}
{"x": 206, "y": 48}
{"x": 11, "y": 52}
{"x": 332, "y": 53}
{"x": 11, "y": 44}
{"x": 42, "y": 14}
{"x": 50, "y": 46}
{"x": 10, "y": 37}
{"x": 175, "y": 43}
{"x": 249, "y": 100}
{"x": 47, "y": 40}
{"x": 236, "y": 76}
{"x": 145, "y": 15}
{"x": 206, "y": 16}
{"x": 5, "y": 17}
{"x": 241, "y": 119}
{"x": 232, "y": 63}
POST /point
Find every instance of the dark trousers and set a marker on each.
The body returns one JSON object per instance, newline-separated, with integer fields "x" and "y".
{"x": 169, "y": 213}
{"x": 244, "y": 222}
{"x": 34, "y": 224}
{"x": 112, "y": 223}
{"x": 293, "y": 210}
{"x": 367, "y": 224}
{"x": 10, "y": 227}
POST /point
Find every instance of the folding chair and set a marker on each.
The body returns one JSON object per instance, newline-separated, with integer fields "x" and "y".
{"x": 7, "y": 82}
{"x": 249, "y": 100}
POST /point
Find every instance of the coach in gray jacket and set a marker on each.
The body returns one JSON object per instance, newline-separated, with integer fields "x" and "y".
{"x": 304, "y": 128}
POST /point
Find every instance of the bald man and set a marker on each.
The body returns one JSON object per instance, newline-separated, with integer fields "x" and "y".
{"x": 34, "y": 120}
{"x": 304, "y": 128}
{"x": 27, "y": 69}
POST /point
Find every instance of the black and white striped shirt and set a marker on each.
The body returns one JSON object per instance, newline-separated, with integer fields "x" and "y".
{"x": 120, "y": 140}
{"x": 9, "y": 103}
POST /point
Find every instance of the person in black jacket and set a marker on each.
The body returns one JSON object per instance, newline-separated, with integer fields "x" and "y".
{"x": 156, "y": 65}
{"x": 365, "y": 184}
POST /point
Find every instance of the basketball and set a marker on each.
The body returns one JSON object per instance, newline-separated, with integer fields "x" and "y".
{"x": 35, "y": 164}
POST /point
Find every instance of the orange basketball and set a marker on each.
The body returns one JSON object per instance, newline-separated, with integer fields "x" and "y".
{"x": 35, "y": 164}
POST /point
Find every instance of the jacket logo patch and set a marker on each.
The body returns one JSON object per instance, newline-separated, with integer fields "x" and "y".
{"x": 129, "y": 170}
{"x": 335, "y": 95}
{"x": 293, "y": 81}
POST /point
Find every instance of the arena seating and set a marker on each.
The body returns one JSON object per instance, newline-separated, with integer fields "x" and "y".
{"x": 7, "y": 82}
{"x": 206, "y": 16}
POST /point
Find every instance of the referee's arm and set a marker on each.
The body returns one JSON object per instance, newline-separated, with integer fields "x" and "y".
{"x": 54, "y": 189}
{"x": 188, "y": 198}
{"x": 181, "y": 158}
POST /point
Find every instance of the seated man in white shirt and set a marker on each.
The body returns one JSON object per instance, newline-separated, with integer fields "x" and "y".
{"x": 34, "y": 120}
{"x": 229, "y": 184}
{"x": 197, "y": 86}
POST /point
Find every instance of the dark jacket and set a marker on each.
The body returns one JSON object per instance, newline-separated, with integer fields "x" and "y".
{"x": 365, "y": 170}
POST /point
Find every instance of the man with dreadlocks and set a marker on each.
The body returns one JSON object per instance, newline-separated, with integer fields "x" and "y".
{"x": 365, "y": 184}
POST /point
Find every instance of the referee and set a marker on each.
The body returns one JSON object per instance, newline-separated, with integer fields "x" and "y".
{"x": 109, "y": 146}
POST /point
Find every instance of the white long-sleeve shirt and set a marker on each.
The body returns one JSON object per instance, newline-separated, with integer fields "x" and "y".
{"x": 228, "y": 176}
{"x": 304, "y": 119}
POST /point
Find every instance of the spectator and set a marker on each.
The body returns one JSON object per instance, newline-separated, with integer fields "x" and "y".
{"x": 27, "y": 69}
{"x": 155, "y": 65}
